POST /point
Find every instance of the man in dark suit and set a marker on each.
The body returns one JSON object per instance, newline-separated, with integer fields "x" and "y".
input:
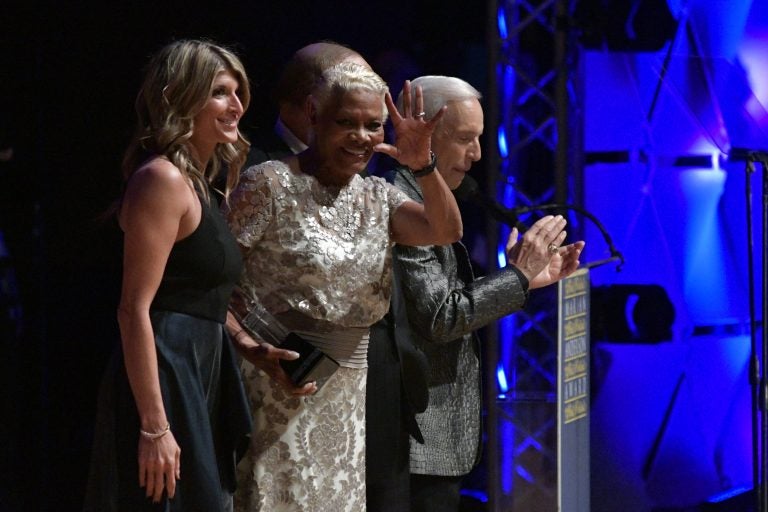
{"x": 444, "y": 304}
{"x": 292, "y": 128}
{"x": 390, "y": 406}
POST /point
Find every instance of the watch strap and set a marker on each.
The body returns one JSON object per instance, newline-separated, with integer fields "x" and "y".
{"x": 428, "y": 169}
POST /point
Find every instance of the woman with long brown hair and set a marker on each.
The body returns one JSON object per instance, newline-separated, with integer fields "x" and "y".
{"x": 172, "y": 415}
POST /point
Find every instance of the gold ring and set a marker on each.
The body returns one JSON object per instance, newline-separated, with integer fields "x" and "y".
{"x": 552, "y": 248}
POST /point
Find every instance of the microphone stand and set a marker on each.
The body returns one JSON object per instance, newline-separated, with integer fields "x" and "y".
{"x": 763, "y": 158}
{"x": 757, "y": 377}
{"x": 469, "y": 190}
{"x": 761, "y": 394}
{"x": 754, "y": 364}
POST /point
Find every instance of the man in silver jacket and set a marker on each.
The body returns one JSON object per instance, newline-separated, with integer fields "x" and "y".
{"x": 445, "y": 303}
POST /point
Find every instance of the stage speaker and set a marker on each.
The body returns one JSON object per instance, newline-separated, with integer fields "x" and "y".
{"x": 624, "y": 25}
{"x": 631, "y": 313}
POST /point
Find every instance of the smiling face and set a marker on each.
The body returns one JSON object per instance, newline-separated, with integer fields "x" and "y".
{"x": 456, "y": 141}
{"x": 300, "y": 75}
{"x": 345, "y": 131}
{"x": 217, "y": 122}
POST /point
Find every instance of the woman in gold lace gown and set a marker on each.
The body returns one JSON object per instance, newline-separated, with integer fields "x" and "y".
{"x": 316, "y": 239}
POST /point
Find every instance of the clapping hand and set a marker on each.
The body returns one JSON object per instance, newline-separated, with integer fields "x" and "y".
{"x": 539, "y": 254}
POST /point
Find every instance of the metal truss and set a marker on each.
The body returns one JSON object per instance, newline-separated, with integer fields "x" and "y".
{"x": 535, "y": 158}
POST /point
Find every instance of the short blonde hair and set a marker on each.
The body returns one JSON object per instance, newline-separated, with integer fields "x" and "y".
{"x": 345, "y": 77}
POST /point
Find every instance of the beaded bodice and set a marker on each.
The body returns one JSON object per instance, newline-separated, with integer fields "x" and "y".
{"x": 323, "y": 252}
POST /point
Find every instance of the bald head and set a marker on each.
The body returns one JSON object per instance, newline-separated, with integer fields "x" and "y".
{"x": 299, "y": 77}
{"x": 307, "y": 65}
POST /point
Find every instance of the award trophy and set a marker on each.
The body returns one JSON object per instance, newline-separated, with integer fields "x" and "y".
{"x": 313, "y": 365}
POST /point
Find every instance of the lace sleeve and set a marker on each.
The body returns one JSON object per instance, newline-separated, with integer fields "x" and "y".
{"x": 250, "y": 206}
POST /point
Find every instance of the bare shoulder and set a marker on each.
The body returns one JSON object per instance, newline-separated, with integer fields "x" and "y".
{"x": 157, "y": 175}
{"x": 159, "y": 188}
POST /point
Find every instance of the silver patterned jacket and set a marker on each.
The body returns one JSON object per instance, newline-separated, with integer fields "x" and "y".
{"x": 445, "y": 305}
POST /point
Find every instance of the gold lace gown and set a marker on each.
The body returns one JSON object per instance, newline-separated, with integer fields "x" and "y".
{"x": 318, "y": 259}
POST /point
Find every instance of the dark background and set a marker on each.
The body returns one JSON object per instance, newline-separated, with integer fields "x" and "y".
{"x": 68, "y": 77}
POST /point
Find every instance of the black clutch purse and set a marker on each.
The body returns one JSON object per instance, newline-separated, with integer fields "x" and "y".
{"x": 313, "y": 365}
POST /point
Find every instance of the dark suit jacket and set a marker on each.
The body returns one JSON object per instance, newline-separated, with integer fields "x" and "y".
{"x": 394, "y": 330}
{"x": 266, "y": 145}
{"x": 391, "y": 406}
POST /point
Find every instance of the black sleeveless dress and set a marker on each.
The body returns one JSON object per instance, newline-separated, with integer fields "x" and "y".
{"x": 199, "y": 380}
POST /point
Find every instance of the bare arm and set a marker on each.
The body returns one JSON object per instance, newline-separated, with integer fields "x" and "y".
{"x": 438, "y": 220}
{"x": 156, "y": 207}
{"x": 261, "y": 354}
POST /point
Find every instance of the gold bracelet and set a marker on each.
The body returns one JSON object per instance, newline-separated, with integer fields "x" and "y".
{"x": 154, "y": 436}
